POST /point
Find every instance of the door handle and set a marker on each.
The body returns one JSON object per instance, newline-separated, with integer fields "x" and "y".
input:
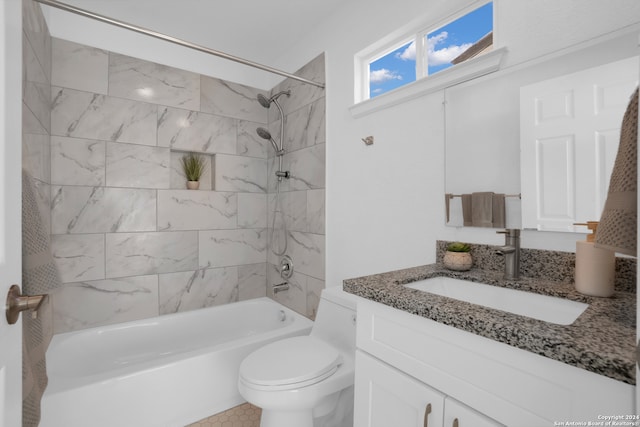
{"x": 17, "y": 303}
{"x": 427, "y": 411}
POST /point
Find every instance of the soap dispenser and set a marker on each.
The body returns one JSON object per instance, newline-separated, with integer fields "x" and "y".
{"x": 595, "y": 267}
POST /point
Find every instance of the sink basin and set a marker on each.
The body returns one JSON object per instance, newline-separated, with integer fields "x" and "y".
{"x": 542, "y": 307}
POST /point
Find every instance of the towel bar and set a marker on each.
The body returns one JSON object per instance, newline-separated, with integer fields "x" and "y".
{"x": 519, "y": 196}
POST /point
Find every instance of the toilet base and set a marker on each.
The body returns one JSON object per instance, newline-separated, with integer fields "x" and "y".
{"x": 286, "y": 419}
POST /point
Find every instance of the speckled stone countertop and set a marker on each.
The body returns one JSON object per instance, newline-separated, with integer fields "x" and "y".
{"x": 601, "y": 340}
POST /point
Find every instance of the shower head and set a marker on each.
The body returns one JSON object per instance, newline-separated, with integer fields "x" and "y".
{"x": 266, "y": 102}
{"x": 265, "y": 134}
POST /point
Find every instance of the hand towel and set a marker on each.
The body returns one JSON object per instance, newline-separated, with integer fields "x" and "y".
{"x": 447, "y": 205}
{"x": 499, "y": 213}
{"x": 467, "y": 220}
{"x": 618, "y": 224}
{"x": 482, "y": 209}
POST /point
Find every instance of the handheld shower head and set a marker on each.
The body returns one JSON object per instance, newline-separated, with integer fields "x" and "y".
{"x": 265, "y": 134}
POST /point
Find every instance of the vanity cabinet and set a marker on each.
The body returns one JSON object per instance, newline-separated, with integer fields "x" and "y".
{"x": 388, "y": 397}
{"x": 393, "y": 398}
{"x": 405, "y": 362}
{"x": 457, "y": 414}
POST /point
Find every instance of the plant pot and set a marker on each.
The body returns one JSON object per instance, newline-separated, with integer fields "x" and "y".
{"x": 458, "y": 261}
{"x": 193, "y": 185}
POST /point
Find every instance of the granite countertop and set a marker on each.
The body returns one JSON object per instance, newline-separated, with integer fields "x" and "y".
{"x": 601, "y": 340}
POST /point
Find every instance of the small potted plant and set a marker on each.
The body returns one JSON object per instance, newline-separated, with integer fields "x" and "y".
{"x": 193, "y": 166}
{"x": 458, "y": 257}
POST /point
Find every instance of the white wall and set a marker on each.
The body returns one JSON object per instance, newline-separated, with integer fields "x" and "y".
{"x": 385, "y": 204}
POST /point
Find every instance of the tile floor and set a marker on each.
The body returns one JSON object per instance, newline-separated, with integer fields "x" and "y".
{"x": 245, "y": 415}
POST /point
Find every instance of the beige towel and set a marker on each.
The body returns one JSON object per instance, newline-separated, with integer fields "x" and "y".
{"x": 39, "y": 276}
{"x": 467, "y": 220}
{"x": 482, "y": 209}
{"x": 618, "y": 224}
{"x": 499, "y": 218}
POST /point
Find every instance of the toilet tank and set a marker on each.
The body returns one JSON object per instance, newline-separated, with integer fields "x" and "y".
{"x": 336, "y": 319}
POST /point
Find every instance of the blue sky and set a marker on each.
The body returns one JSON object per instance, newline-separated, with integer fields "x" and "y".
{"x": 444, "y": 44}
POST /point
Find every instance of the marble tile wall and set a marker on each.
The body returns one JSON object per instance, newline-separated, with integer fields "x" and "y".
{"x": 131, "y": 242}
{"x": 36, "y": 93}
{"x": 302, "y": 197}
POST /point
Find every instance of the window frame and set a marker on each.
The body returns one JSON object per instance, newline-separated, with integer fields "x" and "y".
{"x": 418, "y": 34}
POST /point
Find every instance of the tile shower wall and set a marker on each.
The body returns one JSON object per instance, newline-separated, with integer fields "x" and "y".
{"x": 303, "y": 195}
{"x": 131, "y": 242}
{"x": 36, "y": 98}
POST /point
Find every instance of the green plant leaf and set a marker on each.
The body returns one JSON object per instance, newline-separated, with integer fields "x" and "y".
{"x": 458, "y": 247}
{"x": 193, "y": 166}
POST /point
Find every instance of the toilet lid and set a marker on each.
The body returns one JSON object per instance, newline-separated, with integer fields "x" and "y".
{"x": 291, "y": 361}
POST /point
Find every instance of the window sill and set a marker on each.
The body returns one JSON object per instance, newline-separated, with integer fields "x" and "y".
{"x": 468, "y": 70}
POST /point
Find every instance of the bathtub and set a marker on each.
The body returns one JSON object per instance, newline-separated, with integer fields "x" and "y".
{"x": 167, "y": 371}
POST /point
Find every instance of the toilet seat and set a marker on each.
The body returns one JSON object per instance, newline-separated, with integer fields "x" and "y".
{"x": 290, "y": 363}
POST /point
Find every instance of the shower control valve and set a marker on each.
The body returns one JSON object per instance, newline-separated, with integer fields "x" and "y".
{"x": 286, "y": 267}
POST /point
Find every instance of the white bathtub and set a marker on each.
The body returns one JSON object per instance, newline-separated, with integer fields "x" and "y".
{"x": 167, "y": 371}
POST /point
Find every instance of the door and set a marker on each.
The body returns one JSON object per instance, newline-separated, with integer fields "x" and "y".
{"x": 569, "y": 134}
{"x": 10, "y": 206}
{"x": 387, "y": 397}
{"x": 458, "y": 415}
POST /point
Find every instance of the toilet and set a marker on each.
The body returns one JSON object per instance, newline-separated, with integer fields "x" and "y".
{"x": 299, "y": 379}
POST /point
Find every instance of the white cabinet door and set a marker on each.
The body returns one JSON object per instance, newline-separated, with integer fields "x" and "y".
{"x": 10, "y": 207}
{"x": 458, "y": 415}
{"x": 569, "y": 134}
{"x": 385, "y": 397}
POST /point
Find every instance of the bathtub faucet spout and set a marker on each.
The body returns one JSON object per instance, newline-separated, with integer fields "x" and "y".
{"x": 284, "y": 286}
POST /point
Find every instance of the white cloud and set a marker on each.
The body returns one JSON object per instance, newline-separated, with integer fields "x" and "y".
{"x": 383, "y": 75}
{"x": 409, "y": 54}
{"x": 437, "y": 39}
{"x": 446, "y": 54}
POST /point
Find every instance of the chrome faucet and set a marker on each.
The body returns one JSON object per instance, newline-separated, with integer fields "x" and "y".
{"x": 284, "y": 286}
{"x": 511, "y": 252}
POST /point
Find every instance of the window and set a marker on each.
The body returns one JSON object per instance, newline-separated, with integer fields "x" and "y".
{"x": 392, "y": 70}
{"x": 430, "y": 51}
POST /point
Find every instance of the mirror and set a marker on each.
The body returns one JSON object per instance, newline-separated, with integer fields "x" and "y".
{"x": 569, "y": 137}
{"x": 482, "y": 140}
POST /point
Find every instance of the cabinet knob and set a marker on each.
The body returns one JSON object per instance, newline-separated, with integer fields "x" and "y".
{"x": 427, "y": 411}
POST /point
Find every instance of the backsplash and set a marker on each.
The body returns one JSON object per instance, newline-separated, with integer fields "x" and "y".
{"x": 542, "y": 264}
{"x": 131, "y": 242}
